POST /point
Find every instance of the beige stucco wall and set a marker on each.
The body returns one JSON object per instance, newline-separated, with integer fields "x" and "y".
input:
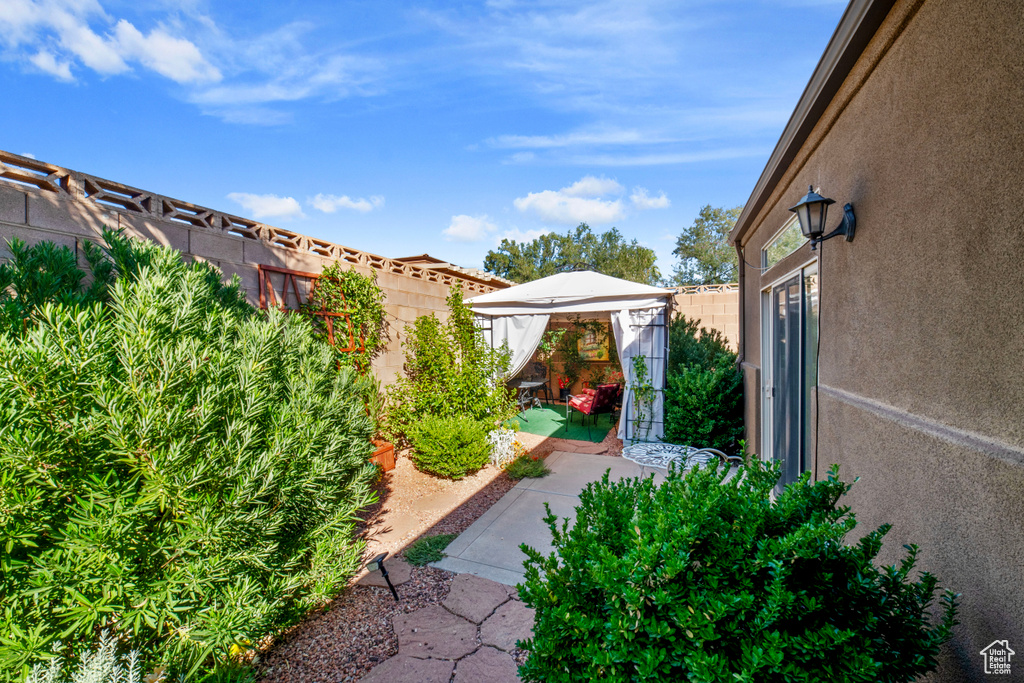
{"x": 921, "y": 372}
{"x": 35, "y": 215}
{"x": 718, "y": 310}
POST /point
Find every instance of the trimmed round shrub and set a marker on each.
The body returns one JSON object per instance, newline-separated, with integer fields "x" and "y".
{"x": 707, "y": 579}
{"x": 704, "y": 407}
{"x": 175, "y": 466}
{"x": 449, "y": 446}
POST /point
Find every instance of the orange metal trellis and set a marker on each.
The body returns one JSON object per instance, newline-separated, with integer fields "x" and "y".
{"x": 292, "y": 278}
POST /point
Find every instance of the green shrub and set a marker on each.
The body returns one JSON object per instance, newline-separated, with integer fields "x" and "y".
{"x": 46, "y": 273}
{"x": 689, "y": 345}
{"x": 175, "y": 465}
{"x": 704, "y": 408}
{"x": 341, "y": 290}
{"x": 527, "y": 466}
{"x": 449, "y": 446}
{"x": 450, "y": 370}
{"x": 101, "y": 665}
{"x": 708, "y": 579}
{"x": 428, "y": 549}
{"x": 704, "y": 390}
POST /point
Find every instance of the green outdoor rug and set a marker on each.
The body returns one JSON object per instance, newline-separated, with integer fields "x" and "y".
{"x": 549, "y": 420}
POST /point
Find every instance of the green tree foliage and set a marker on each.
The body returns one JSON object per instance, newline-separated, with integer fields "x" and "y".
{"x": 175, "y": 465}
{"x": 705, "y": 578}
{"x": 609, "y": 253}
{"x": 450, "y": 371}
{"x": 689, "y": 344}
{"x": 705, "y": 255}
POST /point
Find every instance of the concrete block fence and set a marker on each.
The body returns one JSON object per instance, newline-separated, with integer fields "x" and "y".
{"x": 43, "y": 202}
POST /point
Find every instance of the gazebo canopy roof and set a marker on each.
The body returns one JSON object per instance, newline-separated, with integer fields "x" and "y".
{"x": 578, "y": 292}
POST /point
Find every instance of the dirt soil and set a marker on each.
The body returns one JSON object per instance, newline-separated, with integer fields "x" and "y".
{"x": 353, "y": 633}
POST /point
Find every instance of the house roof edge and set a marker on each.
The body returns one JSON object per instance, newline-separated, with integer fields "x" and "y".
{"x": 856, "y": 28}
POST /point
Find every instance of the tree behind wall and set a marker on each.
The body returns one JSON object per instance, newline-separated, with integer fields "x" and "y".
{"x": 705, "y": 255}
{"x": 609, "y": 253}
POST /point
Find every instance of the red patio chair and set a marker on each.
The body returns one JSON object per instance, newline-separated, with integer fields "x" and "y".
{"x": 592, "y": 402}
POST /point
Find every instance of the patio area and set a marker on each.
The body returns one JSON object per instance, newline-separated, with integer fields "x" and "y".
{"x": 489, "y": 548}
{"x": 549, "y": 420}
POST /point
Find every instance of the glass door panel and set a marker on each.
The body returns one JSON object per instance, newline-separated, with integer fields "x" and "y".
{"x": 786, "y": 390}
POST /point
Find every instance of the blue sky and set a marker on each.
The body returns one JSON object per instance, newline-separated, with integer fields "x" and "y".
{"x": 402, "y": 128}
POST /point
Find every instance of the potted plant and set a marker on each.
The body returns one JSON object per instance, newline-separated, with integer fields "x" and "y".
{"x": 384, "y": 450}
{"x": 564, "y": 388}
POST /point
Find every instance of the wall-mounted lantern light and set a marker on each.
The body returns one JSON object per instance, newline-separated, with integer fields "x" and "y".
{"x": 812, "y": 210}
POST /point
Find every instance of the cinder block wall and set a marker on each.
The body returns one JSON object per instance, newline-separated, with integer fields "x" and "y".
{"x": 716, "y": 307}
{"x": 66, "y": 207}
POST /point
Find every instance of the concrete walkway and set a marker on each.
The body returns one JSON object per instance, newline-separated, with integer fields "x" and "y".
{"x": 489, "y": 548}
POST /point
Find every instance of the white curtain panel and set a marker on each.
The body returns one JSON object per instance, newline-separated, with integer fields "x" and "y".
{"x": 522, "y": 333}
{"x": 641, "y": 333}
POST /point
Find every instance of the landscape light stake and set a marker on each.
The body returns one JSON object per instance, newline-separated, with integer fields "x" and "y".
{"x": 379, "y": 561}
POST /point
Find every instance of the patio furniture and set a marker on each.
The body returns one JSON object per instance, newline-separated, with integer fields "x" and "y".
{"x": 538, "y": 372}
{"x": 525, "y": 398}
{"x": 592, "y": 402}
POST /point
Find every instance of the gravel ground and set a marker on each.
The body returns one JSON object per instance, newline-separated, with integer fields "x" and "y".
{"x": 353, "y": 633}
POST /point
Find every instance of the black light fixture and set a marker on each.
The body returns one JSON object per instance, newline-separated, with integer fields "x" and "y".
{"x": 812, "y": 210}
{"x": 379, "y": 561}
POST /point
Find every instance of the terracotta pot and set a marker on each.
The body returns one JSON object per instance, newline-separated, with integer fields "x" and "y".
{"x": 384, "y": 455}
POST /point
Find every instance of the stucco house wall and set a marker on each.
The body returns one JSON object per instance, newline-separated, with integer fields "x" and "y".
{"x": 921, "y": 365}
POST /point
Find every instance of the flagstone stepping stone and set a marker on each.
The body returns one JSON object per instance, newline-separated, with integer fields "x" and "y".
{"x": 487, "y": 664}
{"x": 474, "y": 598}
{"x": 435, "y": 632}
{"x": 399, "y": 572}
{"x": 405, "y": 669}
{"x": 511, "y": 622}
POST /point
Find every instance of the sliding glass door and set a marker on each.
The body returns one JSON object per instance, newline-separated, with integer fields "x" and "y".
{"x": 789, "y": 370}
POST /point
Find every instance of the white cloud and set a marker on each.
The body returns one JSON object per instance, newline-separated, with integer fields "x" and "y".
{"x": 670, "y": 158}
{"x": 581, "y": 202}
{"x": 576, "y": 139}
{"x": 54, "y": 35}
{"x": 520, "y": 158}
{"x": 46, "y": 62}
{"x": 465, "y": 228}
{"x": 175, "y": 58}
{"x": 589, "y": 186}
{"x": 642, "y": 200}
{"x": 517, "y": 235}
{"x": 288, "y": 75}
{"x": 329, "y": 203}
{"x": 28, "y": 155}
{"x": 268, "y": 205}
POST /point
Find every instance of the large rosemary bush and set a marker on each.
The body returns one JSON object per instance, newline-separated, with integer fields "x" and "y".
{"x": 174, "y": 465}
{"x": 708, "y": 579}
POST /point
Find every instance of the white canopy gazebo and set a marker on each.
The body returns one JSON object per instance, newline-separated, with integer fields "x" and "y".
{"x": 639, "y": 316}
